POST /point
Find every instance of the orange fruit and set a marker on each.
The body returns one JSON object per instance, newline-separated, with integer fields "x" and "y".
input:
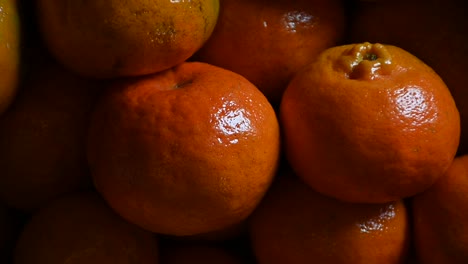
{"x": 369, "y": 123}
{"x": 42, "y": 138}
{"x": 441, "y": 218}
{"x": 269, "y": 41}
{"x": 106, "y": 39}
{"x": 9, "y": 52}
{"x": 435, "y": 31}
{"x": 294, "y": 224}
{"x": 198, "y": 254}
{"x": 82, "y": 229}
{"x": 186, "y": 151}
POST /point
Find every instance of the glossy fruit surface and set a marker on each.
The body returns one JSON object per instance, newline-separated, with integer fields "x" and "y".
{"x": 269, "y": 41}
{"x": 187, "y": 151}
{"x": 296, "y": 225}
{"x": 436, "y": 31}
{"x": 369, "y": 123}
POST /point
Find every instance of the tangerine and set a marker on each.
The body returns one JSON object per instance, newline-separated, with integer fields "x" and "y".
{"x": 43, "y": 135}
{"x": 440, "y": 218}
{"x": 10, "y": 31}
{"x": 269, "y": 41}
{"x": 186, "y": 151}
{"x": 369, "y": 123}
{"x": 294, "y": 224}
{"x": 107, "y": 39}
{"x": 435, "y": 31}
{"x": 80, "y": 228}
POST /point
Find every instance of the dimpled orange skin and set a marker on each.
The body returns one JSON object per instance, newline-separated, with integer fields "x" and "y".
{"x": 187, "y": 151}
{"x": 297, "y": 225}
{"x": 81, "y": 228}
{"x": 268, "y": 41}
{"x": 436, "y": 31}
{"x": 440, "y": 218}
{"x": 9, "y": 52}
{"x": 112, "y": 38}
{"x": 369, "y": 123}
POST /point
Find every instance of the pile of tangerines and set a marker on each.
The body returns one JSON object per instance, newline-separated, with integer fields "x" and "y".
{"x": 233, "y": 131}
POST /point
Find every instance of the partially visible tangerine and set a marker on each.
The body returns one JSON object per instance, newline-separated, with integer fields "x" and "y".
{"x": 10, "y": 52}
{"x": 440, "y": 218}
{"x": 43, "y": 135}
{"x": 269, "y": 41}
{"x": 296, "y": 225}
{"x": 82, "y": 229}
{"x": 107, "y": 39}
